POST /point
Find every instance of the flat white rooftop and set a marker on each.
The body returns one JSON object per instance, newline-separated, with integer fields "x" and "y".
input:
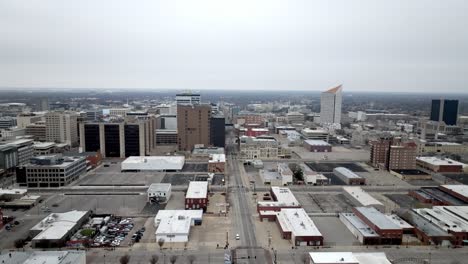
{"x": 459, "y": 189}
{"x": 176, "y": 221}
{"x": 57, "y": 225}
{"x": 313, "y": 142}
{"x": 296, "y": 221}
{"x": 284, "y": 195}
{"x": 13, "y": 191}
{"x": 398, "y": 221}
{"x": 447, "y": 218}
{"x": 359, "y": 225}
{"x": 364, "y": 198}
{"x": 159, "y": 187}
{"x": 197, "y": 190}
{"x": 153, "y": 163}
{"x": 346, "y": 173}
{"x": 377, "y": 218}
{"x": 440, "y": 162}
{"x": 217, "y": 158}
{"x": 42, "y": 257}
{"x": 348, "y": 258}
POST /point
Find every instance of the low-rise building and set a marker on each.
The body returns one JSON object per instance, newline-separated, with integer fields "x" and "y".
{"x": 153, "y": 163}
{"x": 348, "y": 258}
{"x": 317, "y": 146}
{"x": 348, "y": 177}
{"x": 361, "y": 198}
{"x": 313, "y": 177}
{"x": 439, "y": 164}
{"x": 173, "y": 226}
{"x": 217, "y": 163}
{"x": 315, "y": 134}
{"x": 39, "y": 257}
{"x": 197, "y": 195}
{"x": 296, "y": 225}
{"x": 262, "y": 148}
{"x": 281, "y": 198}
{"x": 57, "y": 228}
{"x": 257, "y": 131}
{"x": 458, "y": 191}
{"x": 425, "y": 147}
{"x": 280, "y": 176}
{"x": 159, "y": 193}
{"x": 427, "y": 231}
{"x": 44, "y": 148}
{"x": 52, "y": 171}
{"x": 204, "y": 153}
{"x": 389, "y": 232}
{"x": 363, "y": 233}
{"x": 451, "y": 219}
{"x": 408, "y": 175}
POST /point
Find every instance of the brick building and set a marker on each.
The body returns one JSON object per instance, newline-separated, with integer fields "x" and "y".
{"x": 389, "y": 232}
{"x": 197, "y": 196}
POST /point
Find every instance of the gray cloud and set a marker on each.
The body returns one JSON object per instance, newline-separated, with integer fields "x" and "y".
{"x": 400, "y": 45}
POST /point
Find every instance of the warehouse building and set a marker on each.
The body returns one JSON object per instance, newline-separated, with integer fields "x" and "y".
{"x": 317, "y": 146}
{"x": 348, "y": 258}
{"x": 197, "y": 195}
{"x": 361, "y": 231}
{"x": 42, "y": 257}
{"x": 451, "y": 219}
{"x": 458, "y": 191}
{"x": 439, "y": 165}
{"x": 57, "y": 228}
{"x": 159, "y": 193}
{"x": 315, "y": 134}
{"x": 296, "y": 225}
{"x": 174, "y": 226}
{"x": 389, "y": 232}
{"x": 348, "y": 177}
{"x": 361, "y": 198}
{"x": 281, "y": 198}
{"x": 427, "y": 231}
{"x": 153, "y": 163}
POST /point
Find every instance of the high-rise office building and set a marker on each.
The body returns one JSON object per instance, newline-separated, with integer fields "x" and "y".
{"x": 193, "y": 125}
{"x": 445, "y": 110}
{"x": 123, "y": 138}
{"x": 62, "y": 127}
{"x": 218, "y": 130}
{"x": 330, "y": 106}
{"x": 188, "y": 98}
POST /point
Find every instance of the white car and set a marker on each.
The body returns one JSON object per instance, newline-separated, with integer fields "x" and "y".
{"x": 237, "y": 237}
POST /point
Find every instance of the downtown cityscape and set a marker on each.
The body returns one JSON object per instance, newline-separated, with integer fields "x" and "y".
{"x": 271, "y": 132}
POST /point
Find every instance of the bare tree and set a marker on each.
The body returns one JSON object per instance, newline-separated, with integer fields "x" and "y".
{"x": 191, "y": 259}
{"x": 125, "y": 259}
{"x": 161, "y": 243}
{"x": 154, "y": 259}
{"x": 19, "y": 243}
{"x": 305, "y": 258}
{"x": 173, "y": 259}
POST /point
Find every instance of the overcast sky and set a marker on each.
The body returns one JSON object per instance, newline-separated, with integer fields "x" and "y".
{"x": 366, "y": 45}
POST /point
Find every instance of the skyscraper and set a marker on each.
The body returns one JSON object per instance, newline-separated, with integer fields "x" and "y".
{"x": 187, "y": 98}
{"x": 330, "y": 106}
{"x": 193, "y": 125}
{"x": 445, "y": 110}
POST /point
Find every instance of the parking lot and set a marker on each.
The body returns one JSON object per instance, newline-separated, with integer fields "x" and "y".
{"x": 195, "y": 167}
{"x": 123, "y": 205}
{"x": 334, "y": 232}
{"x": 339, "y": 153}
{"x": 329, "y": 166}
{"x": 461, "y": 178}
{"x": 405, "y": 201}
{"x": 324, "y": 202}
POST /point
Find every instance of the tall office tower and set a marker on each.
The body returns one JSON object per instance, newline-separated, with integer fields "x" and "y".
{"x": 218, "y": 130}
{"x": 193, "y": 125}
{"x": 44, "y": 104}
{"x": 188, "y": 98}
{"x": 330, "y": 106}
{"x": 62, "y": 127}
{"x": 119, "y": 138}
{"x": 445, "y": 110}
